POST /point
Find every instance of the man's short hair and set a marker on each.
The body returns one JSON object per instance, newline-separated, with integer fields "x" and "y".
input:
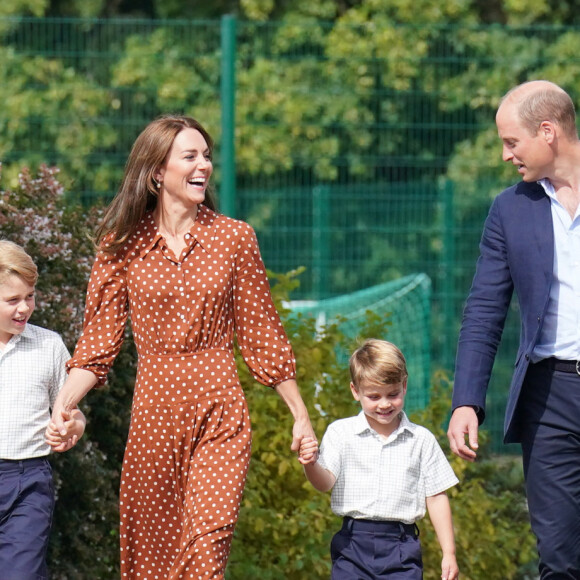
{"x": 547, "y": 103}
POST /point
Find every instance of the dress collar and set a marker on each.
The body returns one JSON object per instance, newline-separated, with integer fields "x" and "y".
{"x": 201, "y": 230}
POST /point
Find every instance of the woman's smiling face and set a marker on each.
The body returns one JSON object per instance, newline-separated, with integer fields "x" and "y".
{"x": 185, "y": 176}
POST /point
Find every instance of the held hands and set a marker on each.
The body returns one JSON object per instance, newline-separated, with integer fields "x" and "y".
{"x": 301, "y": 431}
{"x": 308, "y": 451}
{"x": 66, "y": 435}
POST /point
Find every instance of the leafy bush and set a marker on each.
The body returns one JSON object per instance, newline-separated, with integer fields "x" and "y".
{"x": 285, "y": 526}
{"x": 84, "y": 536}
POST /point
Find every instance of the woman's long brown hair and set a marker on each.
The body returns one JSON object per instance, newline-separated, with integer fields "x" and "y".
{"x": 138, "y": 192}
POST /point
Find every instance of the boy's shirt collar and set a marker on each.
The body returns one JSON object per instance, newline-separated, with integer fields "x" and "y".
{"x": 15, "y": 339}
{"x": 26, "y": 333}
{"x": 362, "y": 426}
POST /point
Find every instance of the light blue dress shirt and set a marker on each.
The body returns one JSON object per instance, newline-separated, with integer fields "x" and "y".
{"x": 560, "y": 335}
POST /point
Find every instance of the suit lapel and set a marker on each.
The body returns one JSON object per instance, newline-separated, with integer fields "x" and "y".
{"x": 542, "y": 229}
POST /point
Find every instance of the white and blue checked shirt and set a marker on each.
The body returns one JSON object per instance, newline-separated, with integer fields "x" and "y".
{"x": 383, "y": 479}
{"x": 32, "y": 371}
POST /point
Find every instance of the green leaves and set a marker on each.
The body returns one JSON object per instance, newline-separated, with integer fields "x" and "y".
{"x": 23, "y": 7}
{"x": 367, "y": 94}
{"x": 34, "y": 89}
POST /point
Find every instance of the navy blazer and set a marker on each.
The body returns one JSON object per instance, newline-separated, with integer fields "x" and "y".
{"x": 516, "y": 253}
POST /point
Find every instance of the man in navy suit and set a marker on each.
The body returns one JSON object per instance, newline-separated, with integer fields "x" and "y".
{"x": 531, "y": 245}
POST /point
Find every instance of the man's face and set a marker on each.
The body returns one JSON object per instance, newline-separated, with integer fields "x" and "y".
{"x": 530, "y": 153}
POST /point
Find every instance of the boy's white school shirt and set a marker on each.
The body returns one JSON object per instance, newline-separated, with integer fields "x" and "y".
{"x": 32, "y": 371}
{"x": 383, "y": 479}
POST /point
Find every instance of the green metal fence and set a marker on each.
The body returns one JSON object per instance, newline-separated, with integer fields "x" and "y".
{"x": 405, "y": 303}
{"x": 364, "y": 153}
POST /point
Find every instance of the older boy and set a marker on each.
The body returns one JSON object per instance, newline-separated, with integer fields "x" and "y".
{"x": 384, "y": 472}
{"x": 32, "y": 370}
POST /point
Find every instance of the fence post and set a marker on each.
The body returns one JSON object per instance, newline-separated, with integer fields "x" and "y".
{"x": 228, "y": 105}
{"x": 320, "y": 240}
{"x": 447, "y": 276}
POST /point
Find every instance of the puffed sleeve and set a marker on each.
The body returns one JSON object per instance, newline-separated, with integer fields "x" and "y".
{"x": 106, "y": 312}
{"x": 259, "y": 331}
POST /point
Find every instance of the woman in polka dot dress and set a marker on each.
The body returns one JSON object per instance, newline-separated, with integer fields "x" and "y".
{"x": 189, "y": 278}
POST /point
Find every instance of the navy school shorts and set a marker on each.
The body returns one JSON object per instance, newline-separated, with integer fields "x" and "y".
{"x": 26, "y": 509}
{"x": 376, "y": 550}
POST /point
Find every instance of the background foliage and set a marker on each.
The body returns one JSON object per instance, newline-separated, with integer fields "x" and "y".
{"x": 285, "y": 525}
{"x": 364, "y": 135}
{"x": 333, "y": 91}
{"x": 384, "y": 106}
{"x": 498, "y": 11}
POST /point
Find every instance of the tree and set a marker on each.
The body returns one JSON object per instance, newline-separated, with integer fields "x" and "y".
{"x": 51, "y": 113}
{"x": 361, "y": 91}
{"x": 23, "y": 7}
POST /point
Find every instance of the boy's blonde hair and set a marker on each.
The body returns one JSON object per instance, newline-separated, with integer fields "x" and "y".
{"x": 14, "y": 260}
{"x": 377, "y": 362}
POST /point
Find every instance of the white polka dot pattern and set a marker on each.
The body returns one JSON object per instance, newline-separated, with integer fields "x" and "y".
{"x": 189, "y": 443}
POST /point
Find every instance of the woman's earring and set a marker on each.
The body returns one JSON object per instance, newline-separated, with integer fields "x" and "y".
{"x": 157, "y": 183}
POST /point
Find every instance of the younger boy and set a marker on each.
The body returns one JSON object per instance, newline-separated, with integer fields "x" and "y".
{"x": 384, "y": 472}
{"x": 32, "y": 370}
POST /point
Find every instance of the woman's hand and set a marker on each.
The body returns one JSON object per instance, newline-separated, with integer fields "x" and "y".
{"x": 290, "y": 394}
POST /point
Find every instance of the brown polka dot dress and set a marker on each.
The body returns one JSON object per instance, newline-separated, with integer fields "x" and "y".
{"x": 189, "y": 442}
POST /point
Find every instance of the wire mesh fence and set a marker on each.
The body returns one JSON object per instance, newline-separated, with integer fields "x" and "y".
{"x": 349, "y": 142}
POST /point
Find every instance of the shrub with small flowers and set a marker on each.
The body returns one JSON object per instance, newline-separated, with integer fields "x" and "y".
{"x": 36, "y": 216}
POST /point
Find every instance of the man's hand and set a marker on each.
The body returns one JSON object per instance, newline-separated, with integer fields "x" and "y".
{"x": 463, "y": 422}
